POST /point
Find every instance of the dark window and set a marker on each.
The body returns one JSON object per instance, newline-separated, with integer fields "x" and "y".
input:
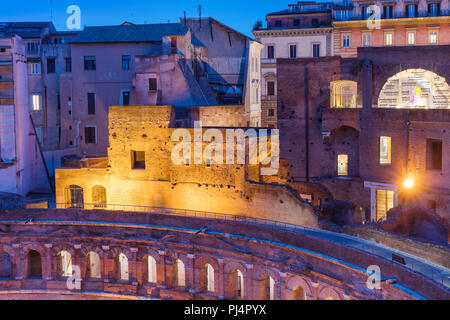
{"x": 89, "y": 135}
{"x": 126, "y": 98}
{"x": 138, "y": 159}
{"x": 412, "y": 10}
{"x": 32, "y": 47}
{"x": 91, "y": 103}
{"x": 58, "y": 97}
{"x": 2, "y": 49}
{"x": 152, "y": 84}
{"x": 315, "y": 22}
{"x": 366, "y": 13}
{"x": 68, "y": 65}
{"x": 278, "y": 23}
{"x": 90, "y": 63}
{"x": 271, "y": 112}
{"x": 270, "y": 88}
{"x": 316, "y": 50}
{"x": 434, "y": 9}
{"x": 293, "y": 51}
{"x": 387, "y": 12}
{"x": 51, "y": 65}
{"x": 270, "y": 52}
{"x": 296, "y": 22}
{"x": 126, "y": 62}
{"x": 434, "y": 154}
{"x": 34, "y": 265}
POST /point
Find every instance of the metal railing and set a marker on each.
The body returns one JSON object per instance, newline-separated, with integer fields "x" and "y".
{"x": 437, "y": 273}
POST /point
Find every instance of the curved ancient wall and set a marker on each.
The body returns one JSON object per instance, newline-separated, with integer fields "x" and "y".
{"x": 232, "y": 260}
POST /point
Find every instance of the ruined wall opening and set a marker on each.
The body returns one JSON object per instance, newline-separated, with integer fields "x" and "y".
{"x": 415, "y": 89}
{"x": 64, "y": 264}
{"x": 99, "y": 197}
{"x": 34, "y": 265}
{"x": 267, "y": 287}
{"x": 235, "y": 284}
{"x": 298, "y": 293}
{"x": 344, "y": 143}
{"x": 207, "y": 278}
{"x": 74, "y": 197}
{"x": 93, "y": 266}
{"x": 343, "y": 94}
{"x": 121, "y": 267}
{"x": 5, "y": 265}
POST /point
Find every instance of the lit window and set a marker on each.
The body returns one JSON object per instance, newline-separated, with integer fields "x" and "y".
{"x": 343, "y": 94}
{"x": 388, "y": 38}
{"x": 385, "y": 150}
{"x": 366, "y": 39}
{"x": 384, "y": 203}
{"x": 411, "y": 37}
{"x": 36, "y": 102}
{"x": 433, "y": 37}
{"x": 342, "y": 165}
{"x": 346, "y": 41}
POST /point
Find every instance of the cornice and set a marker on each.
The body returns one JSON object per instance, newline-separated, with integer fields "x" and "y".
{"x": 292, "y": 32}
{"x": 393, "y": 22}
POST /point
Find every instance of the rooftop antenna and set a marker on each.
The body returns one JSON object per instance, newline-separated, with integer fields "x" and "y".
{"x": 184, "y": 17}
{"x": 51, "y": 10}
{"x": 200, "y": 15}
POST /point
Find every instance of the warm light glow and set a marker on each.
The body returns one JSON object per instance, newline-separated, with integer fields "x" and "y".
{"x": 408, "y": 183}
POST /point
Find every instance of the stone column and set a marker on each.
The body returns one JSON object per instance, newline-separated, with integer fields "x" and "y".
{"x": 20, "y": 265}
{"x": 190, "y": 274}
{"x": 78, "y": 262}
{"x": 315, "y": 290}
{"x": 282, "y": 286}
{"x": 133, "y": 267}
{"x": 47, "y": 270}
{"x": 248, "y": 283}
{"x": 221, "y": 283}
{"x": 105, "y": 271}
{"x": 161, "y": 272}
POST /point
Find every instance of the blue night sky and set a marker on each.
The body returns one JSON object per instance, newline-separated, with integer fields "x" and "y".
{"x": 238, "y": 14}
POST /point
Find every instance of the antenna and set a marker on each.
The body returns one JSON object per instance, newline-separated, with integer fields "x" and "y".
{"x": 200, "y": 14}
{"x": 51, "y": 10}
{"x": 184, "y": 17}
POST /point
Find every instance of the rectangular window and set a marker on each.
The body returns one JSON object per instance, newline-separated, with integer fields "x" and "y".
{"x": 90, "y": 134}
{"x": 51, "y": 65}
{"x": 342, "y": 165}
{"x": 270, "y": 52}
{"x": 278, "y": 23}
{"x": 34, "y": 68}
{"x": 126, "y": 62}
{"x": 388, "y": 39}
{"x": 434, "y": 9}
{"x": 433, "y": 37}
{"x": 296, "y": 22}
{"x": 384, "y": 203}
{"x": 270, "y": 88}
{"x": 271, "y": 112}
{"x": 385, "y": 150}
{"x": 91, "y": 103}
{"x": 316, "y": 50}
{"x": 152, "y": 84}
{"x": 366, "y": 39}
{"x": 90, "y": 63}
{"x": 138, "y": 159}
{"x": 125, "y": 98}
{"x": 293, "y": 51}
{"x": 68, "y": 65}
{"x": 434, "y": 154}
{"x": 387, "y": 12}
{"x": 411, "y": 37}
{"x": 32, "y": 47}
{"x": 346, "y": 41}
{"x": 366, "y": 13}
{"x": 412, "y": 10}
{"x": 36, "y": 102}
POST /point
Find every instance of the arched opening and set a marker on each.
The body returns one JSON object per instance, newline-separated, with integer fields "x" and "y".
{"x": 93, "y": 265}
{"x": 34, "y": 265}
{"x": 64, "y": 264}
{"x": 343, "y": 94}
{"x": 236, "y": 284}
{"x": 298, "y": 293}
{"x": 415, "y": 89}
{"x": 207, "y": 278}
{"x": 99, "y": 197}
{"x": 5, "y": 265}
{"x": 267, "y": 288}
{"x": 179, "y": 278}
{"x": 74, "y": 197}
{"x": 150, "y": 269}
{"x": 121, "y": 267}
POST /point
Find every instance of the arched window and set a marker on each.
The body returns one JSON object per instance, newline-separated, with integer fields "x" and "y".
{"x": 343, "y": 94}
{"x": 178, "y": 273}
{"x": 74, "y": 197}
{"x": 64, "y": 264}
{"x": 298, "y": 293}
{"x": 99, "y": 197}
{"x": 34, "y": 264}
{"x": 121, "y": 266}
{"x": 151, "y": 269}
{"x": 236, "y": 284}
{"x": 267, "y": 287}
{"x": 93, "y": 266}
{"x": 5, "y": 265}
{"x": 207, "y": 278}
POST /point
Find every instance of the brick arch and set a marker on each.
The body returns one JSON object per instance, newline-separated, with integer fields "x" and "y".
{"x": 326, "y": 292}
{"x": 9, "y": 250}
{"x": 171, "y": 256}
{"x": 36, "y": 247}
{"x": 235, "y": 265}
{"x": 113, "y": 252}
{"x": 202, "y": 260}
{"x": 145, "y": 252}
{"x": 259, "y": 272}
{"x": 63, "y": 247}
{"x": 298, "y": 281}
{"x": 86, "y": 249}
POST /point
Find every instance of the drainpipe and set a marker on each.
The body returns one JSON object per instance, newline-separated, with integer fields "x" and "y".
{"x": 306, "y": 123}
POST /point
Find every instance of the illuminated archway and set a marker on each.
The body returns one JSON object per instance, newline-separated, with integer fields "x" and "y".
{"x": 343, "y": 94}
{"x": 415, "y": 89}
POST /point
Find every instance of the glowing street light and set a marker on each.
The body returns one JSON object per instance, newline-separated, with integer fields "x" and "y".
{"x": 408, "y": 183}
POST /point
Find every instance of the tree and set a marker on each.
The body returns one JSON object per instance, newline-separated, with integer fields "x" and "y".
{"x": 258, "y": 25}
